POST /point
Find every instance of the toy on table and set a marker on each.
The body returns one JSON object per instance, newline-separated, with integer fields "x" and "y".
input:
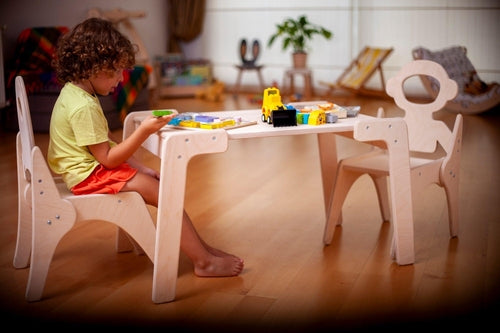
{"x": 341, "y": 111}
{"x": 325, "y": 113}
{"x": 204, "y": 121}
{"x": 160, "y": 113}
{"x": 275, "y": 112}
{"x": 352, "y": 111}
{"x": 334, "y": 109}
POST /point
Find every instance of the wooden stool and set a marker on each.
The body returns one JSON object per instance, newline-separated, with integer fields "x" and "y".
{"x": 242, "y": 68}
{"x": 306, "y": 73}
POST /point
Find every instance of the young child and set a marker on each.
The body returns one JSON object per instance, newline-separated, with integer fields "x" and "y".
{"x": 89, "y": 62}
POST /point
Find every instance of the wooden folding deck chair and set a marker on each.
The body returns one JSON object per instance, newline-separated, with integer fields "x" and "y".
{"x": 360, "y": 71}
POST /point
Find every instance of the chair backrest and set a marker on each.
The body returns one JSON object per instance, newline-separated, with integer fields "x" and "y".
{"x": 25, "y": 126}
{"x": 424, "y": 132}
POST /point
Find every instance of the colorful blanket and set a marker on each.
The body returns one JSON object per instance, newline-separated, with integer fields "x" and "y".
{"x": 35, "y": 50}
{"x": 134, "y": 81}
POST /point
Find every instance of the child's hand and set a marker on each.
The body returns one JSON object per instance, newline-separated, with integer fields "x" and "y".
{"x": 152, "y": 124}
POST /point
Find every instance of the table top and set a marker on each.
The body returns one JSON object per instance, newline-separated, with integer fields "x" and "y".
{"x": 261, "y": 129}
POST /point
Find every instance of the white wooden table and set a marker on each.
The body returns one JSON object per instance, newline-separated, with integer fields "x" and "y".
{"x": 176, "y": 147}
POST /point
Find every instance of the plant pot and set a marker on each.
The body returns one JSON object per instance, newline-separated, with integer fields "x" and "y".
{"x": 299, "y": 59}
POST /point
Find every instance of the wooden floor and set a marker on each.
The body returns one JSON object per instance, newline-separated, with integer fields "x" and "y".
{"x": 262, "y": 200}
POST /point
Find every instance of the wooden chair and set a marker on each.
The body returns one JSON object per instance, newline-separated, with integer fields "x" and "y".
{"x": 360, "y": 70}
{"x": 421, "y": 136}
{"x": 249, "y": 64}
{"x": 48, "y": 210}
{"x": 474, "y": 96}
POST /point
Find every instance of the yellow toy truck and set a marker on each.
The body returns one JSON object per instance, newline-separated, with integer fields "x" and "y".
{"x": 275, "y": 112}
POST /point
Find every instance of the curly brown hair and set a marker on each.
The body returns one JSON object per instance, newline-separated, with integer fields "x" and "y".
{"x": 94, "y": 45}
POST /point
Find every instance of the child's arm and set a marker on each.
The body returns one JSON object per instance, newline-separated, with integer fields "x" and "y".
{"x": 111, "y": 157}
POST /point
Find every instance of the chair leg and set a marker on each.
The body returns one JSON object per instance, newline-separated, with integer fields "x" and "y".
{"x": 238, "y": 82}
{"x": 46, "y": 237}
{"x": 23, "y": 242}
{"x": 125, "y": 243}
{"x": 451, "y": 190}
{"x": 39, "y": 268}
{"x": 383, "y": 196}
{"x": 140, "y": 230}
{"x": 136, "y": 226}
{"x": 261, "y": 80}
{"x": 343, "y": 183}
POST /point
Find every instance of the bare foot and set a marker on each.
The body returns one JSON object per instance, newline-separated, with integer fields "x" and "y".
{"x": 219, "y": 266}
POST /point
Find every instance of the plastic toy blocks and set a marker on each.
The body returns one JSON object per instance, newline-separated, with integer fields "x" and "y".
{"x": 276, "y": 113}
{"x": 202, "y": 121}
{"x": 160, "y": 113}
{"x": 205, "y": 119}
{"x": 285, "y": 117}
{"x": 218, "y": 124}
{"x": 317, "y": 117}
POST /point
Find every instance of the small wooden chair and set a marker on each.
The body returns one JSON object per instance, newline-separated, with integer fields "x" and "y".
{"x": 360, "y": 70}
{"x": 249, "y": 64}
{"x": 48, "y": 210}
{"x": 421, "y": 134}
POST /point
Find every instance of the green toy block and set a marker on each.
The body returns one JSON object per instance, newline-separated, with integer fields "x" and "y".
{"x": 159, "y": 113}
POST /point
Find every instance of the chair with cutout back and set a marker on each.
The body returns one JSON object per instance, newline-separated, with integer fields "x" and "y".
{"x": 423, "y": 136}
{"x": 360, "y": 70}
{"x": 48, "y": 210}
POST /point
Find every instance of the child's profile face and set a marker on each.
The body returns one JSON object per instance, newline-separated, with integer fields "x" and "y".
{"x": 106, "y": 81}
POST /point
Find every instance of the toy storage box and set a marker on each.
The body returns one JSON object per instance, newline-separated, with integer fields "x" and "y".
{"x": 180, "y": 77}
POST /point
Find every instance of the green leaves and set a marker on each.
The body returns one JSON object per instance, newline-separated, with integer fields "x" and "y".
{"x": 296, "y": 33}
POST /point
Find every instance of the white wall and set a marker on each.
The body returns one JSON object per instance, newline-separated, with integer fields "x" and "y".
{"x": 401, "y": 24}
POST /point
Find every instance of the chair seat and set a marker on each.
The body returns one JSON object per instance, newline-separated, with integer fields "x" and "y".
{"x": 378, "y": 162}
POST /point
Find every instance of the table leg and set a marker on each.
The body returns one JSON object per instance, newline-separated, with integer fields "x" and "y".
{"x": 327, "y": 144}
{"x": 176, "y": 151}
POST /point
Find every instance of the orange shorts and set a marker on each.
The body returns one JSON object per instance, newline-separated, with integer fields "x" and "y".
{"x": 105, "y": 181}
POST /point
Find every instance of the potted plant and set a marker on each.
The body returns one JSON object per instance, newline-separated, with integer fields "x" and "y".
{"x": 295, "y": 34}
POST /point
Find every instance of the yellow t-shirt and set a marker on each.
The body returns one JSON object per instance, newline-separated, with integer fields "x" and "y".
{"x": 77, "y": 121}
